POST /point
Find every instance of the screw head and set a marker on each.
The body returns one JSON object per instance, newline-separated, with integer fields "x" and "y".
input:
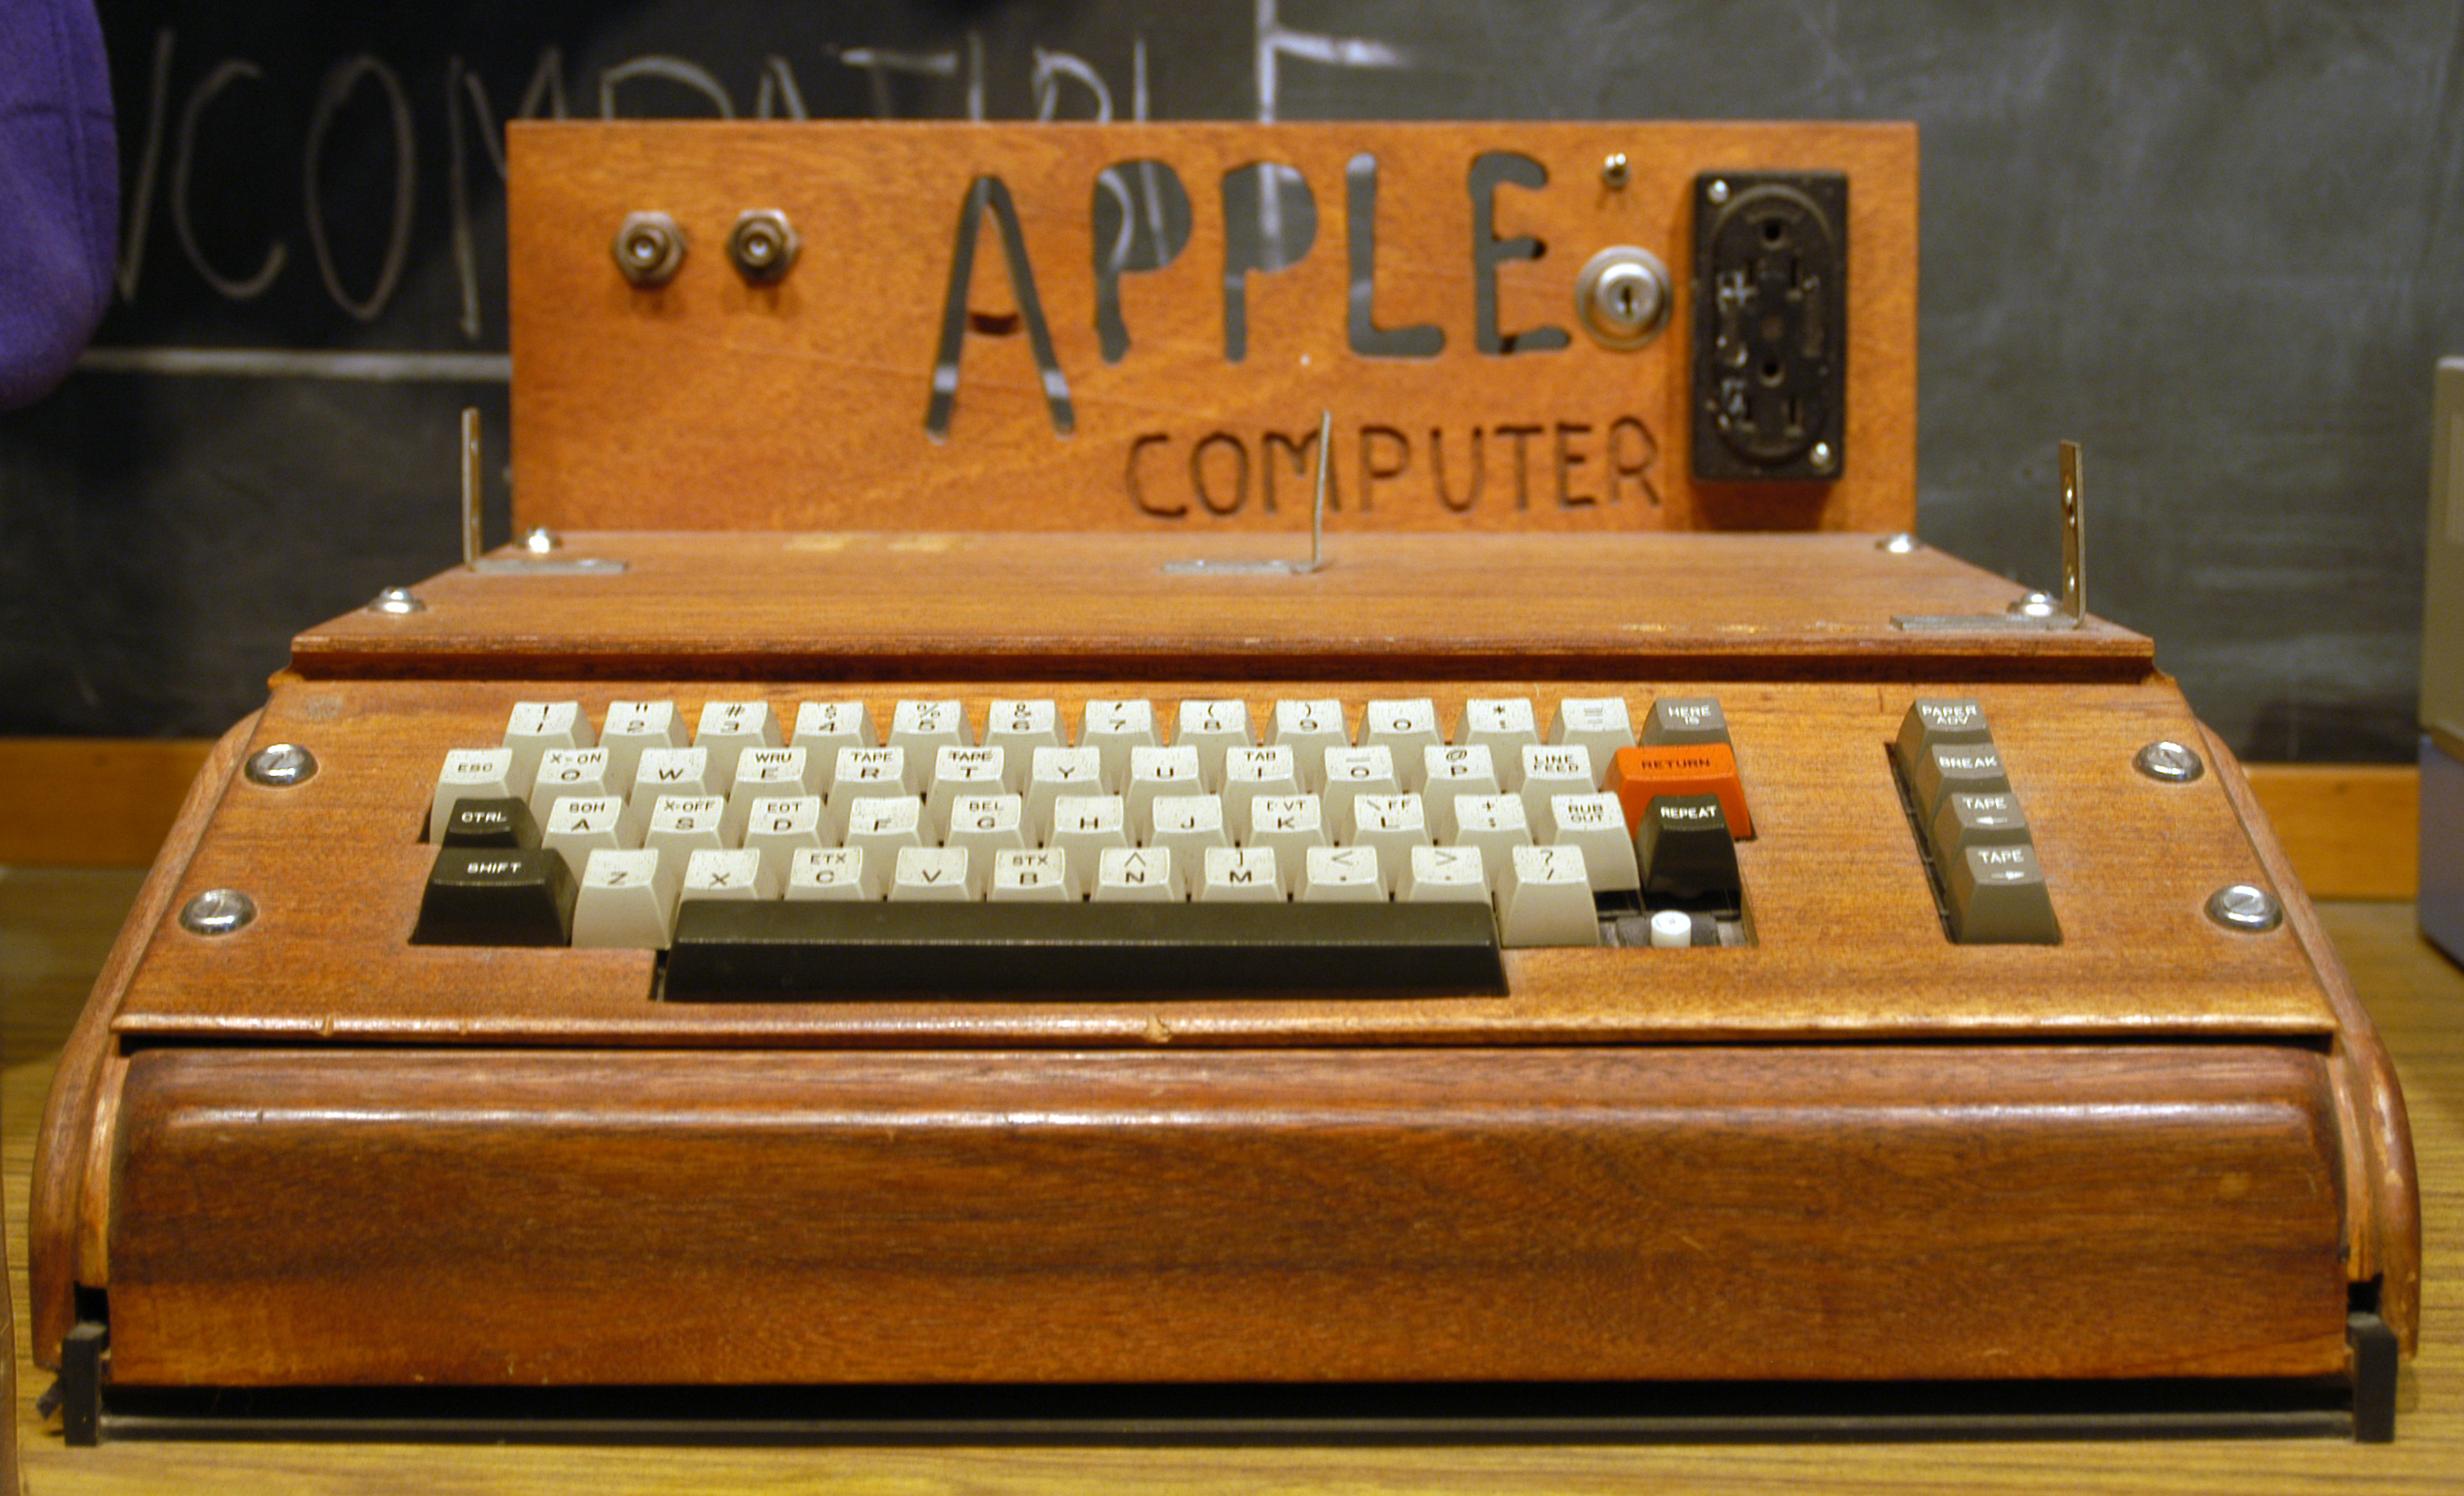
{"x": 540, "y": 541}
{"x": 762, "y": 245}
{"x": 1614, "y": 171}
{"x": 397, "y": 601}
{"x": 2034, "y": 604}
{"x": 649, "y": 249}
{"x": 2173, "y": 762}
{"x": 217, "y": 912}
{"x": 2246, "y": 907}
{"x": 1822, "y": 457}
{"x": 281, "y": 766}
{"x": 1899, "y": 544}
{"x": 1717, "y": 191}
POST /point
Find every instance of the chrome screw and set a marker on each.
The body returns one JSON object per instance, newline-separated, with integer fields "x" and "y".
{"x": 1821, "y": 457}
{"x": 2036, "y": 605}
{"x": 1899, "y": 544}
{"x": 2245, "y": 907}
{"x": 217, "y": 912}
{"x": 1613, "y": 171}
{"x": 541, "y": 540}
{"x": 397, "y": 601}
{"x": 2174, "y": 764}
{"x": 1717, "y": 191}
{"x": 281, "y": 766}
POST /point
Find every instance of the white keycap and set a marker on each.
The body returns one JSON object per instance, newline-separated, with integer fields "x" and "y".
{"x": 577, "y": 826}
{"x": 1019, "y": 728}
{"x": 1404, "y": 728}
{"x": 682, "y": 824}
{"x": 984, "y": 824}
{"x": 922, "y": 726}
{"x": 1391, "y": 824}
{"x": 1055, "y": 772}
{"x": 1500, "y": 724}
{"x": 625, "y": 898}
{"x": 939, "y": 873}
{"x": 1186, "y": 825}
{"x": 1113, "y": 728}
{"x": 1600, "y": 723}
{"x": 879, "y": 825}
{"x": 731, "y": 874}
{"x": 1249, "y": 773}
{"x": 1495, "y": 823}
{"x": 1154, "y": 772}
{"x": 824, "y": 873}
{"x": 1596, "y": 823}
{"x": 633, "y": 726}
{"x": 1546, "y": 899}
{"x": 671, "y": 771}
{"x": 1038, "y": 876}
{"x": 825, "y": 727}
{"x": 1353, "y": 772}
{"x": 767, "y": 774}
{"x": 1132, "y": 874}
{"x": 1308, "y": 729}
{"x": 468, "y": 774}
{"x": 1239, "y": 876}
{"x": 863, "y": 772}
{"x": 1085, "y": 827}
{"x": 1672, "y": 928}
{"x": 535, "y": 727}
{"x": 1550, "y": 772}
{"x": 1214, "y": 728}
{"x": 1444, "y": 874}
{"x": 726, "y": 728}
{"x": 1448, "y": 774}
{"x": 1289, "y": 824}
{"x": 1341, "y": 875}
{"x": 957, "y": 773}
{"x": 778, "y": 826}
{"x": 578, "y": 772}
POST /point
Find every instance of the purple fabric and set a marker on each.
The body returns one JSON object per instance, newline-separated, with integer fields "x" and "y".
{"x": 59, "y": 191}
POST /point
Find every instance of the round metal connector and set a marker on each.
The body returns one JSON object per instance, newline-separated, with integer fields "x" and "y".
{"x": 650, "y": 248}
{"x": 762, "y": 245}
{"x": 2245, "y": 907}
{"x": 217, "y": 912}
{"x": 1622, "y": 296}
{"x": 2173, "y": 762}
{"x": 281, "y": 766}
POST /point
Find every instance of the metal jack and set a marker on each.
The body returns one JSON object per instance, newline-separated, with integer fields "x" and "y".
{"x": 2036, "y": 611}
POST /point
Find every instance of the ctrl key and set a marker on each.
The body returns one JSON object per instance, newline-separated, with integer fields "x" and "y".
{"x": 481, "y": 895}
{"x": 1998, "y": 897}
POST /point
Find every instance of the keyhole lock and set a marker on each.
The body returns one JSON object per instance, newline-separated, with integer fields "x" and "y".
{"x": 1622, "y": 296}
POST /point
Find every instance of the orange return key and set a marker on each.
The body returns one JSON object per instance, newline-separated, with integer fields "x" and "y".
{"x": 1639, "y": 775}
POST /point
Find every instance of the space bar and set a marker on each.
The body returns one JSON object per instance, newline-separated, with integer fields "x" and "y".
{"x": 731, "y": 950}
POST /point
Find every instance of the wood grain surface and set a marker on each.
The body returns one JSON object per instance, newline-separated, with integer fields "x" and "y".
{"x": 348, "y": 1217}
{"x": 709, "y": 403}
{"x": 882, "y": 607}
{"x": 60, "y": 923}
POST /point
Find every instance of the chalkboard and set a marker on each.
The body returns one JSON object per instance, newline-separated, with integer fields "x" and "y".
{"x": 2221, "y": 248}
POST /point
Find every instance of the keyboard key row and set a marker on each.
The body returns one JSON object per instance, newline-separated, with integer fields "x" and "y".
{"x": 1971, "y": 828}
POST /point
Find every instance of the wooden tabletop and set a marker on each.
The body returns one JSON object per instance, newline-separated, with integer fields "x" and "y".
{"x": 54, "y": 925}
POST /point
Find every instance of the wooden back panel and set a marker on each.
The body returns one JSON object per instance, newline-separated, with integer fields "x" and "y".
{"x": 711, "y": 403}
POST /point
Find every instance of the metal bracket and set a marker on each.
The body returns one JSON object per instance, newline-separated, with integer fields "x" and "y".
{"x": 2035, "y": 612}
{"x": 538, "y": 559}
{"x": 1268, "y": 566}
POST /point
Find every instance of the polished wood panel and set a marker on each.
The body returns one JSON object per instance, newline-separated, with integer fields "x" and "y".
{"x": 803, "y": 405}
{"x": 849, "y": 606}
{"x": 317, "y": 1218}
{"x": 59, "y": 924}
{"x": 2353, "y": 830}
